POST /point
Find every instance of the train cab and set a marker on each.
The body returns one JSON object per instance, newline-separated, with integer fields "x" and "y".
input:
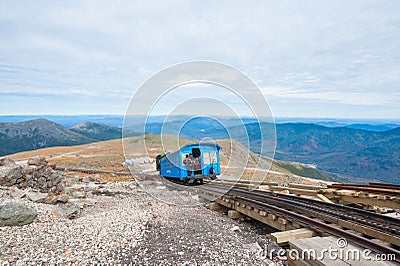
{"x": 191, "y": 163}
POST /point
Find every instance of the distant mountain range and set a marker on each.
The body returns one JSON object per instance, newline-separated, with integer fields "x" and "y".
{"x": 41, "y": 133}
{"x": 353, "y": 154}
{"x": 99, "y": 132}
{"x": 350, "y": 152}
{"x": 69, "y": 121}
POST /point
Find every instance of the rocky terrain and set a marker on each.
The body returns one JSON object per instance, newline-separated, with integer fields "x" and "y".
{"x": 35, "y": 174}
{"x": 109, "y": 155}
{"x": 90, "y": 221}
{"x": 53, "y": 217}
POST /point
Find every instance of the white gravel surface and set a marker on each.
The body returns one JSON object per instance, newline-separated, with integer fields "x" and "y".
{"x": 129, "y": 227}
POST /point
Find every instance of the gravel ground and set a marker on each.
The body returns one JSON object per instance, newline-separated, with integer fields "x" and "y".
{"x": 130, "y": 227}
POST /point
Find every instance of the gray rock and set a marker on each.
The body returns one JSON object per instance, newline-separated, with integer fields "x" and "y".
{"x": 87, "y": 179}
{"x": 17, "y": 193}
{"x": 55, "y": 177}
{"x": 76, "y": 178}
{"x": 59, "y": 187}
{"x": 68, "y": 190}
{"x": 71, "y": 213}
{"x": 29, "y": 169}
{"x": 36, "y": 196}
{"x": 253, "y": 248}
{"x": 51, "y": 200}
{"x": 7, "y": 161}
{"x": 73, "y": 188}
{"x": 78, "y": 194}
{"x": 41, "y": 183}
{"x": 37, "y": 160}
{"x": 92, "y": 188}
{"x": 13, "y": 214}
{"x": 57, "y": 212}
{"x": 235, "y": 228}
{"x": 63, "y": 198}
{"x": 9, "y": 174}
{"x": 42, "y": 178}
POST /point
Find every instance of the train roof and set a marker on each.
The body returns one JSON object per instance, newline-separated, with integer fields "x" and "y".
{"x": 202, "y": 144}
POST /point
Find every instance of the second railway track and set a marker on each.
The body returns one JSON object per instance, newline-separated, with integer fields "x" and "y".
{"x": 357, "y": 225}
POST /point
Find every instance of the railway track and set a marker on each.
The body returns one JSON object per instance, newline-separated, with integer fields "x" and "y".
{"x": 383, "y": 185}
{"x": 385, "y": 224}
{"x": 374, "y": 221}
{"x": 356, "y": 225}
{"x": 376, "y": 188}
{"x": 91, "y": 171}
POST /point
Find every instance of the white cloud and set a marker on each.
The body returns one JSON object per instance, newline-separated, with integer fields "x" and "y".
{"x": 331, "y": 51}
{"x": 352, "y": 98}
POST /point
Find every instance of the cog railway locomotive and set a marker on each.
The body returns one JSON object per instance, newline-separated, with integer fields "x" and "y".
{"x": 191, "y": 164}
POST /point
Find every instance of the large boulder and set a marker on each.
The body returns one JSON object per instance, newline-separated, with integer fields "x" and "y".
{"x": 13, "y": 214}
{"x": 10, "y": 172}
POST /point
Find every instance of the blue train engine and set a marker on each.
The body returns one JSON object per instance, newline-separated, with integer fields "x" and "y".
{"x": 191, "y": 164}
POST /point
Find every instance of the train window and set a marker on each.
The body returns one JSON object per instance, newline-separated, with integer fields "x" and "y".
{"x": 184, "y": 158}
{"x": 206, "y": 158}
{"x": 196, "y": 152}
{"x": 174, "y": 159}
{"x": 213, "y": 157}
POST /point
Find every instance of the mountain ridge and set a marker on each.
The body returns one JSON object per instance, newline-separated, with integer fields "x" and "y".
{"x": 35, "y": 134}
{"x": 42, "y": 133}
{"x": 99, "y": 132}
{"x": 350, "y": 152}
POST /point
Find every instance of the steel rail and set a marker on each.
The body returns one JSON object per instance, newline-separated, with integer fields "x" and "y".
{"x": 323, "y": 227}
{"x": 366, "y": 188}
{"x": 384, "y": 185}
{"x": 377, "y": 221}
{"x": 278, "y": 206}
{"x": 366, "y": 216}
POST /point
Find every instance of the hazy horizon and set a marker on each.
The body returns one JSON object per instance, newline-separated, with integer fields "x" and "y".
{"x": 326, "y": 119}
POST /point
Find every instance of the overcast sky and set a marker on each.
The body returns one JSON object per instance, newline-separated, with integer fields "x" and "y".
{"x": 309, "y": 58}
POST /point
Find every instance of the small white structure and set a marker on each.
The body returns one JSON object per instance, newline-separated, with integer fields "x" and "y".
{"x": 136, "y": 161}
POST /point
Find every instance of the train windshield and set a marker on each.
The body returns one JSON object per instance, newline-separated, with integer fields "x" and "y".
{"x": 204, "y": 158}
